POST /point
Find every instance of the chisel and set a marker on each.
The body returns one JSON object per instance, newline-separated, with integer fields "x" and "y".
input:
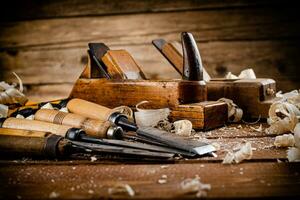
{"x": 95, "y": 111}
{"x": 55, "y": 146}
{"x": 80, "y": 136}
{"x": 35, "y": 125}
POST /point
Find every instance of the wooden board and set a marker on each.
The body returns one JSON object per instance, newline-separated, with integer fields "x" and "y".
{"x": 65, "y": 65}
{"x": 248, "y": 180}
{"x": 53, "y": 9}
{"x": 262, "y": 23}
{"x": 266, "y": 175}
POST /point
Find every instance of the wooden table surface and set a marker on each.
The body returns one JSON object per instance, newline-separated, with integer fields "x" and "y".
{"x": 267, "y": 174}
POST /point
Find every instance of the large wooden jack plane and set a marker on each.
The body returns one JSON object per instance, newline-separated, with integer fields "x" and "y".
{"x": 254, "y": 96}
{"x": 112, "y": 78}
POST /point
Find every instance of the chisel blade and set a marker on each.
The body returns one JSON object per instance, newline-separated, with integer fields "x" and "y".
{"x": 121, "y": 150}
{"x": 171, "y": 140}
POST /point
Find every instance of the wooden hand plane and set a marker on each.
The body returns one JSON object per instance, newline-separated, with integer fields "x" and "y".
{"x": 112, "y": 78}
{"x": 254, "y": 96}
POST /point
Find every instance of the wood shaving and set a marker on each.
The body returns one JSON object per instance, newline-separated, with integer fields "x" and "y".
{"x": 259, "y": 129}
{"x": 183, "y": 127}
{"x": 121, "y": 188}
{"x": 10, "y": 95}
{"x": 245, "y": 153}
{"x": 150, "y": 117}
{"x": 54, "y": 195}
{"x": 297, "y": 135}
{"x": 93, "y": 158}
{"x": 165, "y": 125}
{"x": 286, "y": 140}
{"x": 283, "y": 117}
{"x": 235, "y": 113}
{"x": 293, "y": 154}
{"x": 194, "y": 186}
{"x": 3, "y": 111}
{"x": 162, "y": 181}
{"x": 126, "y": 111}
{"x": 245, "y": 74}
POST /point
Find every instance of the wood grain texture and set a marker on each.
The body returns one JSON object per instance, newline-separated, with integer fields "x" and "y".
{"x": 113, "y": 93}
{"x": 54, "y": 51}
{"x": 267, "y": 58}
{"x": 209, "y": 25}
{"x": 73, "y": 8}
{"x": 253, "y": 181}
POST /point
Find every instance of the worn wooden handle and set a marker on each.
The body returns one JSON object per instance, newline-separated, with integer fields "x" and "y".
{"x": 92, "y": 127}
{"x": 25, "y": 133}
{"x": 89, "y": 109}
{"x": 35, "y": 125}
{"x": 50, "y": 146}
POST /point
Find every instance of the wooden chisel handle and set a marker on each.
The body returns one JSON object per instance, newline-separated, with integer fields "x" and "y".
{"x": 35, "y": 125}
{"x": 50, "y": 146}
{"x": 92, "y": 127}
{"x": 25, "y": 133}
{"x": 89, "y": 109}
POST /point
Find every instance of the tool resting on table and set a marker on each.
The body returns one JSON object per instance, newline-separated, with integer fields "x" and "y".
{"x": 93, "y": 127}
{"x": 45, "y": 144}
{"x": 96, "y": 111}
{"x": 254, "y": 96}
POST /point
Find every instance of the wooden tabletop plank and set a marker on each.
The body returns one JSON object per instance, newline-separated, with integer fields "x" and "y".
{"x": 247, "y": 180}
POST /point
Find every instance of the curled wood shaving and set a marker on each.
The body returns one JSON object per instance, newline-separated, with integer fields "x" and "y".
{"x": 10, "y": 95}
{"x": 150, "y": 117}
{"x": 235, "y": 113}
{"x": 121, "y": 188}
{"x": 245, "y": 74}
{"x": 286, "y": 140}
{"x": 293, "y": 154}
{"x": 3, "y": 111}
{"x": 283, "y": 117}
{"x": 244, "y": 153}
{"x": 194, "y": 186}
{"x": 165, "y": 125}
{"x": 125, "y": 110}
{"x": 297, "y": 135}
{"x": 183, "y": 127}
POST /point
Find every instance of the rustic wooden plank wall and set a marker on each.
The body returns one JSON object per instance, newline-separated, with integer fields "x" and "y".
{"x": 45, "y": 42}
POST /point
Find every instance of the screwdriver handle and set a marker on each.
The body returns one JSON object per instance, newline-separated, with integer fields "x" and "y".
{"x": 89, "y": 109}
{"x": 92, "y": 127}
{"x": 34, "y": 125}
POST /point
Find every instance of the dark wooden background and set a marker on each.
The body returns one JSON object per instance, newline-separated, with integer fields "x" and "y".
{"x": 45, "y": 42}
